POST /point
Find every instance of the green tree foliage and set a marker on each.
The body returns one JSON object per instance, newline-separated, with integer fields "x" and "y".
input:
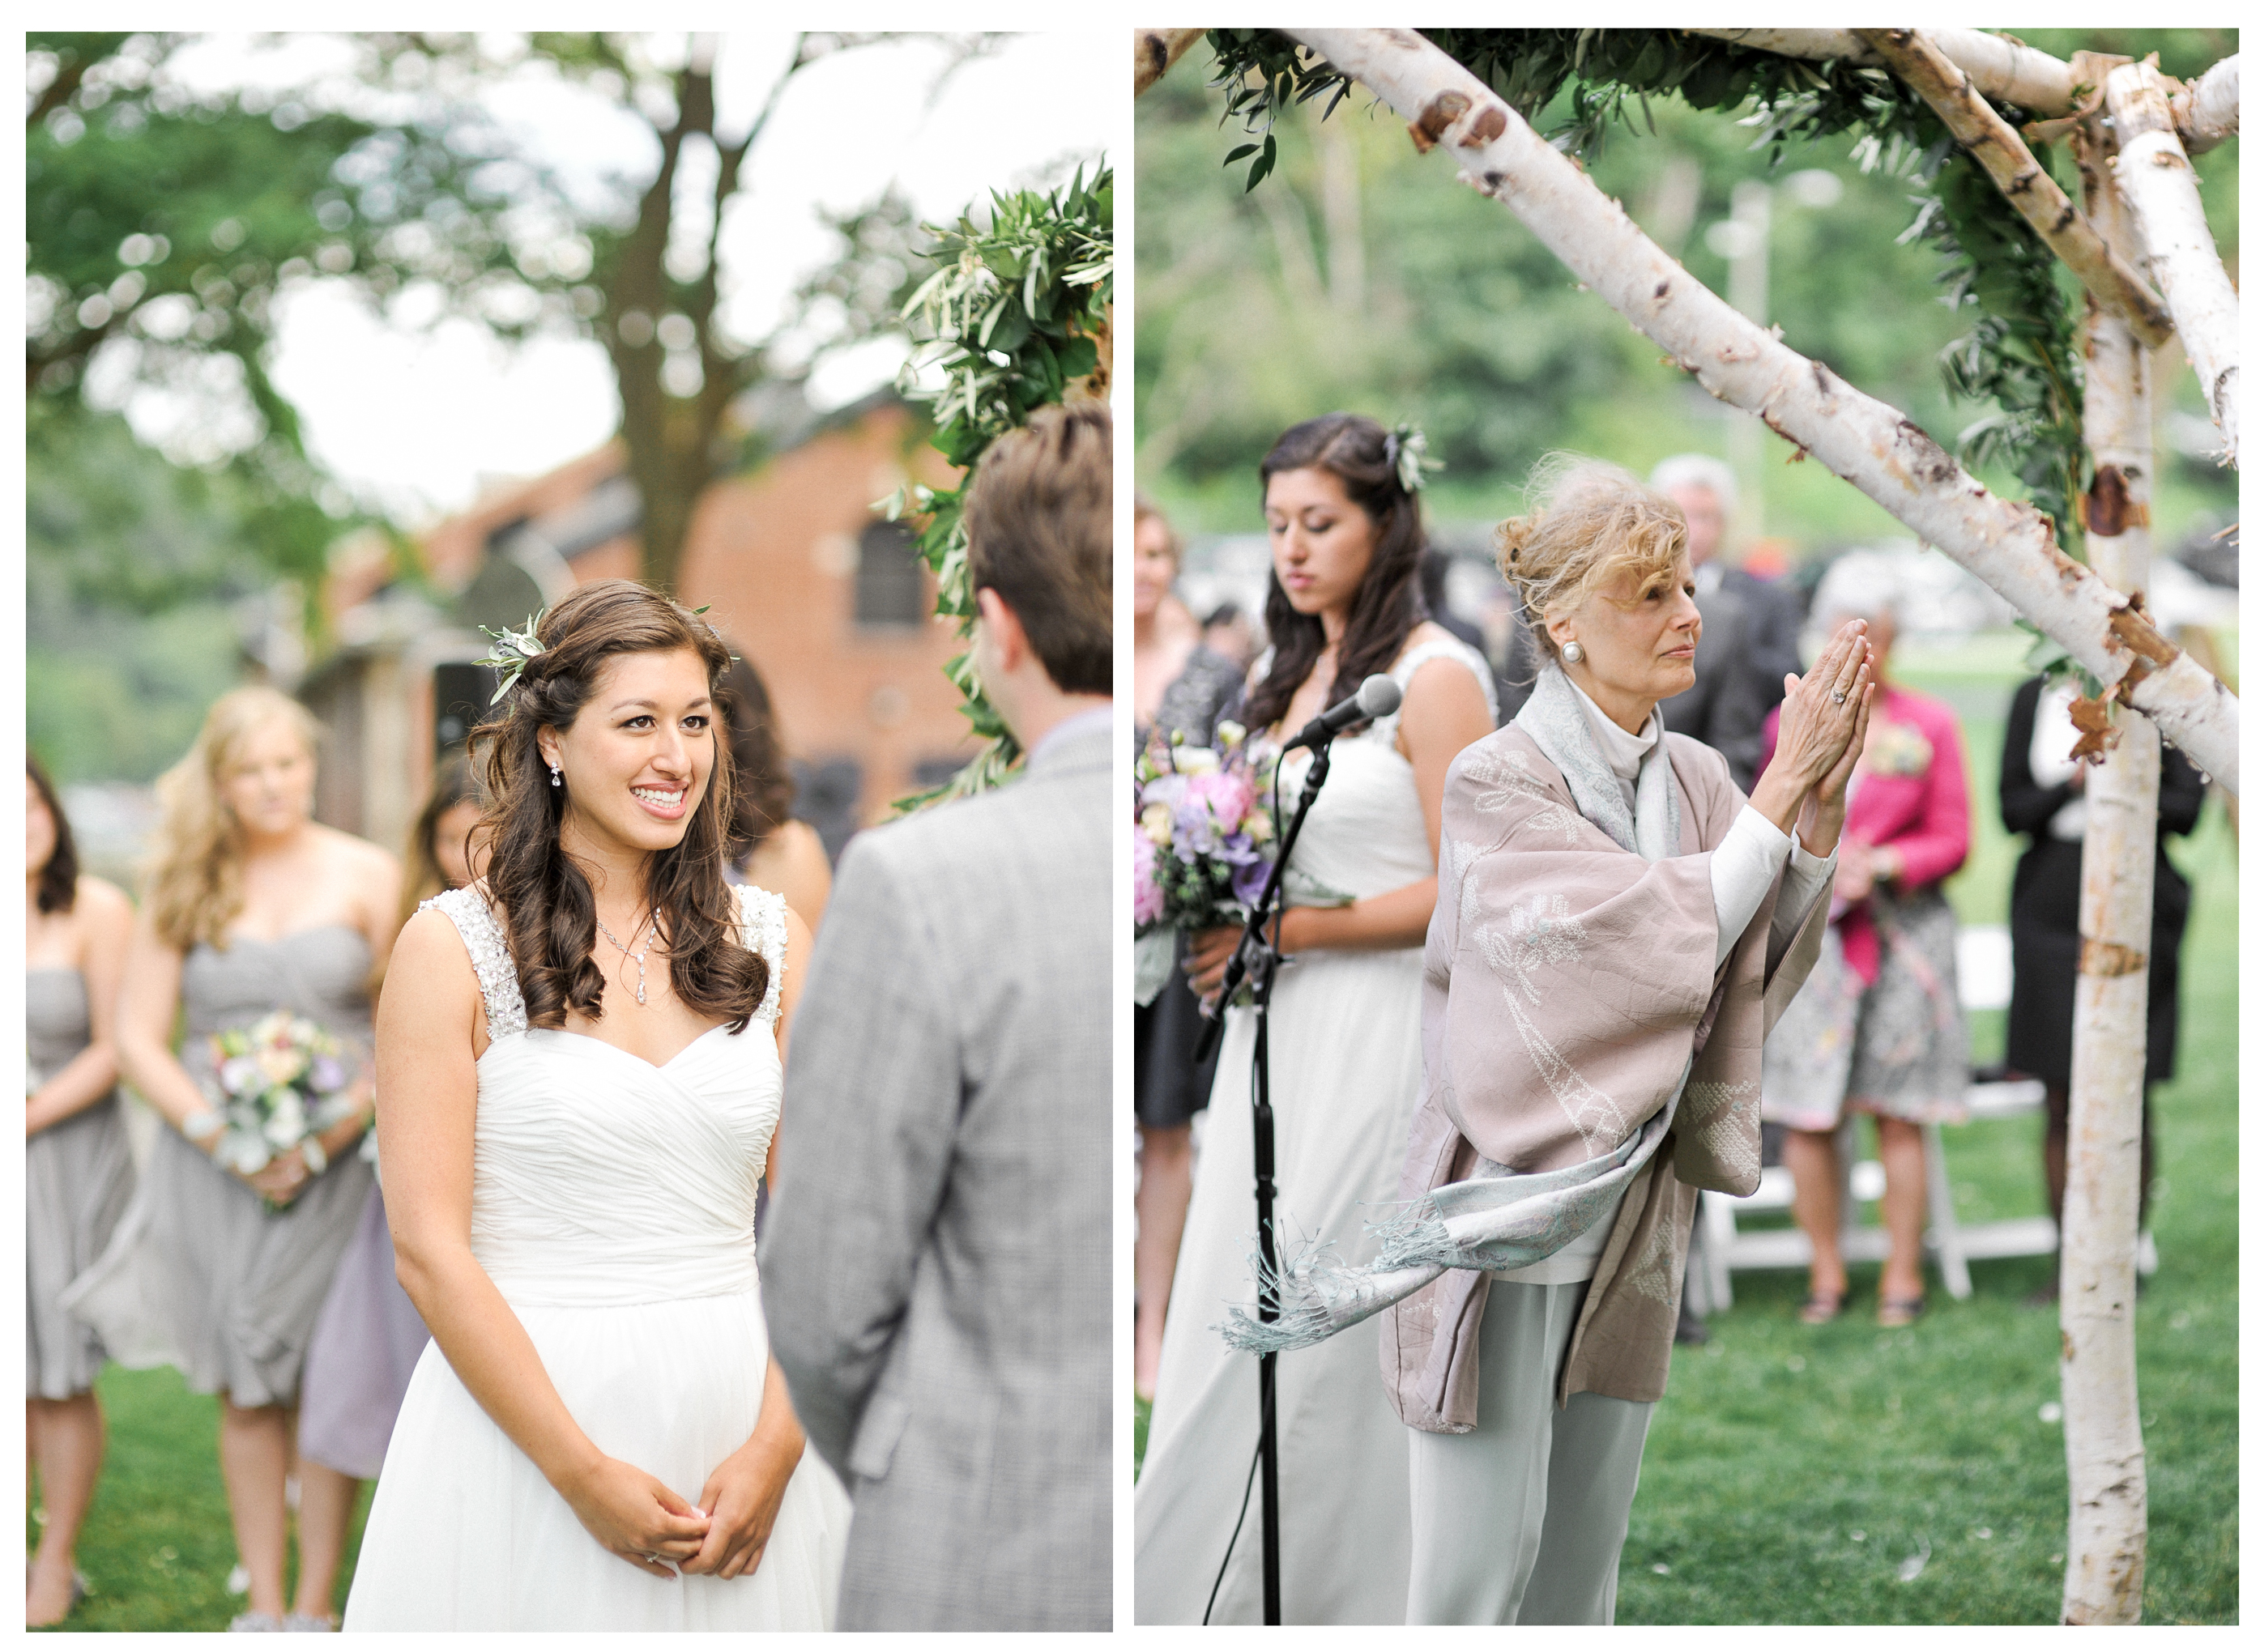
{"x": 1011, "y": 317}
{"x": 170, "y": 222}
{"x": 132, "y": 567}
{"x": 1350, "y": 279}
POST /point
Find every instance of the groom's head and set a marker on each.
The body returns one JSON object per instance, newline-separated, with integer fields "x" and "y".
{"x": 1039, "y": 547}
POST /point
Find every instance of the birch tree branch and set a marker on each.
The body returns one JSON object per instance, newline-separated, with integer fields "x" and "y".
{"x": 2007, "y": 71}
{"x": 1157, "y": 49}
{"x": 1915, "y": 58}
{"x": 2161, "y": 187}
{"x": 2010, "y": 546}
{"x": 2102, "y": 1417}
{"x": 2204, "y": 110}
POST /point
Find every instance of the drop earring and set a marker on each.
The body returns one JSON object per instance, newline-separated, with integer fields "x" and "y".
{"x": 1572, "y": 652}
{"x": 556, "y": 775}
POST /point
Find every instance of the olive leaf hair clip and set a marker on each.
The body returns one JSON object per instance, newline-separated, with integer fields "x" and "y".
{"x": 512, "y": 650}
{"x": 1406, "y": 453}
{"x": 698, "y": 612}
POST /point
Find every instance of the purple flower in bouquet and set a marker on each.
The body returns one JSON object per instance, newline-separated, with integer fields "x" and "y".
{"x": 1205, "y": 838}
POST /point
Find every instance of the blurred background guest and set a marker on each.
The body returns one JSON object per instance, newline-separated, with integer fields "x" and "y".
{"x": 1184, "y": 687}
{"x": 771, "y": 849}
{"x": 439, "y": 843}
{"x": 1231, "y": 633}
{"x": 369, "y": 1336}
{"x": 2043, "y": 795}
{"x": 1703, "y": 487}
{"x": 78, "y": 1174}
{"x": 1878, "y": 1028}
{"x": 252, "y": 906}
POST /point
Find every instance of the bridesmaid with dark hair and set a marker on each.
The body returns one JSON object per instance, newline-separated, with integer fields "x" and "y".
{"x": 767, "y": 848}
{"x": 77, "y": 1174}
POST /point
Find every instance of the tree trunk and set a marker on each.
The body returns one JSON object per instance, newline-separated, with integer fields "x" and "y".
{"x": 2160, "y": 189}
{"x": 1915, "y": 57}
{"x": 2102, "y": 1419}
{"x": 1157, "y": 49}
{"x": 2010, "y": 546}
{"x": 2007, "y": 71}
{"x": 2204, "y": 112}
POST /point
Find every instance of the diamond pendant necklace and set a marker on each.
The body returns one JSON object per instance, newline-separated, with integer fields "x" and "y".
{"x": 637, "y": 957}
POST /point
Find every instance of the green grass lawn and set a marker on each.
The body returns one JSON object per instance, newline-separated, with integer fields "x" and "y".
{"x": 1793, "y": 1473}
{"x": 1797, "y": 1474}
{"x": 156, "y": 1547}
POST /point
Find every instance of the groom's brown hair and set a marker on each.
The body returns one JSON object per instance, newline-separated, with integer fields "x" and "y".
{"x": 1039, "y": 530}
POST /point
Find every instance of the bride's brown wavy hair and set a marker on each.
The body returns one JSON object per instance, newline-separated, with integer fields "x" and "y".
{"x": 547, "y": 906}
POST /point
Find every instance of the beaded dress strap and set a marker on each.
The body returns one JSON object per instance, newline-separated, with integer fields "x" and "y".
{"x": 761, "y": 912}
{"x": 489, "y": 949}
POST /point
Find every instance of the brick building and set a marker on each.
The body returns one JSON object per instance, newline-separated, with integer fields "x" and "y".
{"x": 827, "y": 600}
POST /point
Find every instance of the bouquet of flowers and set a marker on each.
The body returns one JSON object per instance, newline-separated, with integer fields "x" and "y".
{"x": 275, "y": 1084}
{"x": 1204, "y": 843}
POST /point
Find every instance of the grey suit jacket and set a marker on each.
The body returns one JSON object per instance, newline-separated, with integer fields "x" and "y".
{"x": 1726, "y": 709}
{"x": 937, "y": 1271}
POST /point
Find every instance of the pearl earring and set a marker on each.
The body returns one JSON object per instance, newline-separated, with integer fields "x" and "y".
{"x": 1572, "y": 652}
{"x": 556, "y": 775}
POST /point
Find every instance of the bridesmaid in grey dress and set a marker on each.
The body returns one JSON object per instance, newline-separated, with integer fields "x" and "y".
{"x": 77, "y": 1174}
{"x": 252, "y": 906}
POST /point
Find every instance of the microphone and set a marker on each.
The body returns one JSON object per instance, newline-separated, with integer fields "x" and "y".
{"x": 1375, "y": 697}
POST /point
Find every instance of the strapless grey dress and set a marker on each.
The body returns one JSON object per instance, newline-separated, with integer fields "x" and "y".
{"x": 242, "y": 1285}
{"x": 78, "y": 1176}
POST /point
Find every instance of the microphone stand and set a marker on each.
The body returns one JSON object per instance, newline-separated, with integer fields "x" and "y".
{"x": 1255, "y": 961}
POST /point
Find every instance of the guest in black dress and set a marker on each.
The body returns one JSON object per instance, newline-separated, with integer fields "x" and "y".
{"x": 2043, "y": 795}
{"x": 1182, "y": 686}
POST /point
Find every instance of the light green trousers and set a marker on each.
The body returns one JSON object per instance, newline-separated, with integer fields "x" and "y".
{"x": 1523, "y": 1520}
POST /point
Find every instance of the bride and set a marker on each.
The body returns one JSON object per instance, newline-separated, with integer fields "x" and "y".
{"x": 578, "y": 1059}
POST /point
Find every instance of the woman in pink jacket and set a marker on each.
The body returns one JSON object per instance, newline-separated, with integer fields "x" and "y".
{"x": 1877, "y": 1028}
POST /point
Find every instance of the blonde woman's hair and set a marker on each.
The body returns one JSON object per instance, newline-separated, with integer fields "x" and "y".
{"x": 1174, "y": 547}
{"x": 195, "y": 875}
{"x": 1588, "y": 523}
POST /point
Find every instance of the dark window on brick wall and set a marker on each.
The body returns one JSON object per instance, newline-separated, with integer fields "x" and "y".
{"x": 890, "y": 579}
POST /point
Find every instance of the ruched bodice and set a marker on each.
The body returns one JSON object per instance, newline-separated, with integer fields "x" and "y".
{"x": 599, "y": 1179}
{"x": 321, "y": 973}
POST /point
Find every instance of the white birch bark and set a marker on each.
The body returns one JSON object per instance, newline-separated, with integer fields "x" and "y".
{"x": 2160, "y": 187}
{"x": 1156, "y": 50}
{"x": 2006, "y": 71}
{"x": 1871, "y": 444}
{"x": 2204, "y": 110}
{"x": 1914, "y": 56}
{"x": 2102, "y": 1419}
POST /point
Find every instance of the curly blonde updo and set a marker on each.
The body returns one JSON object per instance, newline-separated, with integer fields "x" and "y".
{"x": 1588, "y": 523}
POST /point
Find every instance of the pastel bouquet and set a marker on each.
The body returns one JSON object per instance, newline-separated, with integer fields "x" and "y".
{"x": 275, "y": 1084}
{"x": 1204, "y": 845}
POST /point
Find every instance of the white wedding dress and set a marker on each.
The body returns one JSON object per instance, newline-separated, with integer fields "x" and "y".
{"x": 612, "y": 1206}
{"x": 1345, "y": 1080}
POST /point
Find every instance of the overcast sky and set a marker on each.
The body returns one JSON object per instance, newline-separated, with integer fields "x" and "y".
{"x": 416, "y": 421}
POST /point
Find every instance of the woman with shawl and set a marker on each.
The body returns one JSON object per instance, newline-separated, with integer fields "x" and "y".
{"x": 1615, "y": 927}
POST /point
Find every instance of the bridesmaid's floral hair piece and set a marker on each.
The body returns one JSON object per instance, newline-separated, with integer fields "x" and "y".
{"x": 512, "y": 650}
{"x": 1406, "y": 451}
